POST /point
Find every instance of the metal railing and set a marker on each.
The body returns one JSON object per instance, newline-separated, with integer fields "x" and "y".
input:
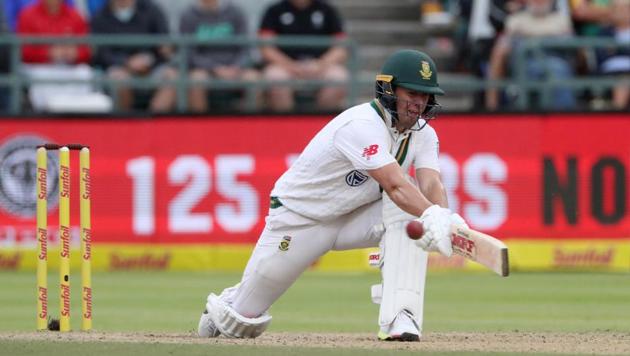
{"x": 520, "y": 85}
{"x": 16, "y": 81}
{"x": 538, "y": 48}
{"x": 519, "y": 82}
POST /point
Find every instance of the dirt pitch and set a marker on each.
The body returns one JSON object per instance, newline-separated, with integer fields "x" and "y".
{"x": 569, "y": 343}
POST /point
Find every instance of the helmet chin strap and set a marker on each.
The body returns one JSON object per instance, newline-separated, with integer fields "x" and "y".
{"x": 419, "y": 126}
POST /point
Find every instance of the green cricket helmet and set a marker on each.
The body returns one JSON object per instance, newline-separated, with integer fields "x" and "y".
{"x": 412, "y": 70}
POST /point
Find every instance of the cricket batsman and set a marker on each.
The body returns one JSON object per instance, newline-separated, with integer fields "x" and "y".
{"x": 349, "y": 189}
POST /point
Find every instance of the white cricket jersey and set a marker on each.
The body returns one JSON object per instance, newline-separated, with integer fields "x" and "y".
{"x": 329, "y": 178}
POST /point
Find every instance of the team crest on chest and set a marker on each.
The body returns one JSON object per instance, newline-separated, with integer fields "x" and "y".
{"x": 356, "y": 178}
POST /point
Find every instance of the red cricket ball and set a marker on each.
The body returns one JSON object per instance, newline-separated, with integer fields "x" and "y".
{"x": 414, "y": 230}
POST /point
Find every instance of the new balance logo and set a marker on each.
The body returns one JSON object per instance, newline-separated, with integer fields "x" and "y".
{"x": 370, "y": 151}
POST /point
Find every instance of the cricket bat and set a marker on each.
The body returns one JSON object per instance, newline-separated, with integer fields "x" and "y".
{"x": 473, "y": 245}
{"x": 481, "y": 248}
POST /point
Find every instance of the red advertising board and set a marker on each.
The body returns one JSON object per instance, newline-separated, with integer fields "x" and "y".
{"x": 560, "y": 176}
{"x": 207, "y": 180}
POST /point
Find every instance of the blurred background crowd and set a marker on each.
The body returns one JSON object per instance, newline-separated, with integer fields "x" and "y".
{"x": 205, "y": 56}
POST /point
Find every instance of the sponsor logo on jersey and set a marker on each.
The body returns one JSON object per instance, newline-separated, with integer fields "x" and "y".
{"x": 356, "y": 178}
{"x": 284, "y": 244}
{"x": 369, "y": 151}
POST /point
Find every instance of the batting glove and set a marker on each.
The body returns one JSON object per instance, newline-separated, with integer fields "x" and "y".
{"x": 458, "y": 220}
{"x": 436, "y": 222}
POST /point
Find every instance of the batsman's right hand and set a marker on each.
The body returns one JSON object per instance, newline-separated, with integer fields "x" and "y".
{"x": 436, "y": 222}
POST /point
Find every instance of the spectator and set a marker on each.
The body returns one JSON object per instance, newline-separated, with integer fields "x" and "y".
{"x": 617, "y": 61}
{"x": 590, "y": 16}
{"x": 5, "y": 59}
{"x": 136, "y": 17}
{"x": 55, "y": 61}
{"x": 13, "y": 8}
{"x": 174, "y": 11}
{"x": 303, "y": 17}
{"x": 89, "y": 7}
{"x": 475, "y": 35}
{"x": 435, "y": 13}
{"x": 537, "y": 20}
{"x": 483, "y": 19}
{"x": 210, "y": 20}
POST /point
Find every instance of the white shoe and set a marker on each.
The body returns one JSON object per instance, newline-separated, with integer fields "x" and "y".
{"x": 206, "y": 327}
{"x": 403, "y": 328}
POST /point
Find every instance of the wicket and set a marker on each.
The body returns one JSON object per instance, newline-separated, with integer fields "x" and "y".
{"x": 64, "y": 236}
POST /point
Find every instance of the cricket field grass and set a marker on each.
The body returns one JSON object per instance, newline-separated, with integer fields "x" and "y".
{"x": 156, "y": 313}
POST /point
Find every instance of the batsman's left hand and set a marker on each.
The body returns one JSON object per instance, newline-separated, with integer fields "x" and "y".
{"x": 437, "y": 226}
{"x": 456, "y": 219}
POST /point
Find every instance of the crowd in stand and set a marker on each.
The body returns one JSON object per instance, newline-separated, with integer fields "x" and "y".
{"x": 495, "y": 29}
{"x": 68, "y": 67}
{"x": 489, "y": 34}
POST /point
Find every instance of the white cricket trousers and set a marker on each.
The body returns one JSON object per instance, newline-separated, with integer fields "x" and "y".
{"x": 271, "y": 270}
